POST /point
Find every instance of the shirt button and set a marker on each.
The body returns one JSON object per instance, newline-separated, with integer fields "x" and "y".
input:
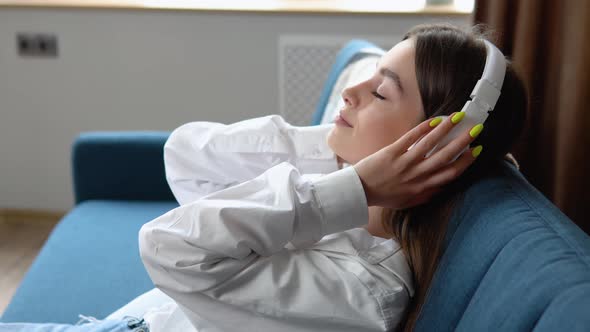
{"x": 317, "y": 151}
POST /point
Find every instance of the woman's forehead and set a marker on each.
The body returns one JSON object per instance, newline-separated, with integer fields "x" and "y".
{"x": 400, "y": 60}
{"x": 400, "y": 56}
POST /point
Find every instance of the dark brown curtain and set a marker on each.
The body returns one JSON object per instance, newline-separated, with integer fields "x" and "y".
{"x": 549, "y": 43}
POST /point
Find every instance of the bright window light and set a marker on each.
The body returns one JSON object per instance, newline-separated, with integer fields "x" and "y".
{"x": 361, "y": 6}
{"x": 464, "y": 5}
{"x": 377, "y": 5}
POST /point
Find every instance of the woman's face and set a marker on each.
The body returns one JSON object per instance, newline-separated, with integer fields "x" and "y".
{"x": 381, "y": 109}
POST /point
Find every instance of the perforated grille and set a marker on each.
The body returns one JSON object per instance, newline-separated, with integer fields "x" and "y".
{"x": 306, "y": 69}
{"x": 304, "y": 64}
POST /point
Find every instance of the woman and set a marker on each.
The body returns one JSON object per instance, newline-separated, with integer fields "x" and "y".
{"x": 334, "y": 227}
{"x": 260, "y": 244}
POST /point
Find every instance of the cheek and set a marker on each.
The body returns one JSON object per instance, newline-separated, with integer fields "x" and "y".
{"x": 381, "y": 130}
{"x": 375, "y": 129}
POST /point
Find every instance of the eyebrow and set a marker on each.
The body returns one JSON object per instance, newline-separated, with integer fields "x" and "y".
{"x": 388, "y": 73}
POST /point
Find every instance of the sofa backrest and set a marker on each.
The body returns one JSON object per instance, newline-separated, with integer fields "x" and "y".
{"x": 513, "y": 262}
{"x": 120, "y": 166}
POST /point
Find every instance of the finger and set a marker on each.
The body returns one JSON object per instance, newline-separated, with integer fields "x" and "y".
{"x": 444, "y": 156}
{"x": 429, "y": 141}
{"x": 402, "y": 144}
{"x": 451, "y": 171}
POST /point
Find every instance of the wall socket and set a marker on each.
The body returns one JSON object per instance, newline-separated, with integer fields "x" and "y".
{"x": 37, "y": 45}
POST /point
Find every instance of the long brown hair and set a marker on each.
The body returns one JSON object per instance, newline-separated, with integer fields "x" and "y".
{"x": 449, "y": 61}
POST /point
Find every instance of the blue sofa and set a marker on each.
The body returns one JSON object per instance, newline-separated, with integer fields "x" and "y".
{"x": 513, "y": 261}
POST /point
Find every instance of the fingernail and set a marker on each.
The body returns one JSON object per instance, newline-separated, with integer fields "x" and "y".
{"x": 435, "y": 122}
{"x": 476, "y": 151}
{"x": 457, "y": 117}
{"x": 476, "y": 130}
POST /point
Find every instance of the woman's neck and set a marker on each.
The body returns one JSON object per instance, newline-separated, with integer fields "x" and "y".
{"x": 375, "y": 225}
{"x": 340, "y": 161}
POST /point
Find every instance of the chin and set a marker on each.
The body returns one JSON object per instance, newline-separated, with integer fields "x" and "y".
{"x": 335, "y": 145}
{"x": 342, "y": 148}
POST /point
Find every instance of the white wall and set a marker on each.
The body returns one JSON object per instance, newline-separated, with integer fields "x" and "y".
{"x": 138, "y": 70}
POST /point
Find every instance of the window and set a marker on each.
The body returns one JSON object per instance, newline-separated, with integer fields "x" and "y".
{"x": 312, "y": 6}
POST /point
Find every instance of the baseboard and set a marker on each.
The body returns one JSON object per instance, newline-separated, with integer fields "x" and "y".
{"x": 30, "y": 215}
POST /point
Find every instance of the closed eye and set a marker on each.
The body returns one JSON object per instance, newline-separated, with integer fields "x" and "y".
{"x": 378, "y": 95}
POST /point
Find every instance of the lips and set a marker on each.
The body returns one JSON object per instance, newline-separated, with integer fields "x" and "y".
{"x": 341, "y": 116}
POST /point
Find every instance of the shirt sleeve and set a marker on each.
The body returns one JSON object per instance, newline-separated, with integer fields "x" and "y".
{"x": 246, "y": 250}
{"x": 203, "y": 243}
{"x": 204, "y": 157}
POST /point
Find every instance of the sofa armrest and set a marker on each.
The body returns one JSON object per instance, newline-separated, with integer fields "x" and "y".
{"x": 120, "y": 166}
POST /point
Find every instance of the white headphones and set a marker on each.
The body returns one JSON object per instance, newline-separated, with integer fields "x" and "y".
{"x": 487, "y": 90}
{"x": 484, "y": 96}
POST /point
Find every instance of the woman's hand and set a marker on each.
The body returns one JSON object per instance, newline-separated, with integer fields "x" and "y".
{"x": 398, "y": 178}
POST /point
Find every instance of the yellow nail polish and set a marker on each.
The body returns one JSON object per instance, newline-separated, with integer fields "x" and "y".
{"x": 476, "y": 151}
{"x": 435, "y": 122}
{"x": 476, "y": 130}
{"x": 457, "y": 117}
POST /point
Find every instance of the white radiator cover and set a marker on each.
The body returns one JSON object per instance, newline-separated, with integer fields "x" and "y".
{"x": 304, "y": 63}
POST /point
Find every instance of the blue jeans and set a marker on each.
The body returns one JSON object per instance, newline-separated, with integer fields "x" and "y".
{"x": 86, "y": 324}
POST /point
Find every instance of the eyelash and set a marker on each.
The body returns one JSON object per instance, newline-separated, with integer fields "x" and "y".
{"x": 378, "y": 96}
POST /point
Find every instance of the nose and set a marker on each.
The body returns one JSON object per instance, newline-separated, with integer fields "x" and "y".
{"x": 349, "y": 95}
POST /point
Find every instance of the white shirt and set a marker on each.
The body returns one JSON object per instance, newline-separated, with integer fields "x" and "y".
{"x": 267, "y": 237}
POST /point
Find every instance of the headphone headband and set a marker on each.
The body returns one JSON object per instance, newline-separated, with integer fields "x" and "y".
{"x": 487, "y": 90}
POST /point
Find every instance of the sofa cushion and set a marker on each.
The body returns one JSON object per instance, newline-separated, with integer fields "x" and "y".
{"x": 513, "y": 262}
{"x": 89, "y": 265}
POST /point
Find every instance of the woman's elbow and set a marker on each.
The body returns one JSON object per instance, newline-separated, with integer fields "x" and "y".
{"x": 148, "y": 251}
{"x": 188, "y": 272}
{"x": 176, "y": 149}
{"x": 147, "y": 245}
{"x": 188, "y": 139}
{"x": 184, "y": 156}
